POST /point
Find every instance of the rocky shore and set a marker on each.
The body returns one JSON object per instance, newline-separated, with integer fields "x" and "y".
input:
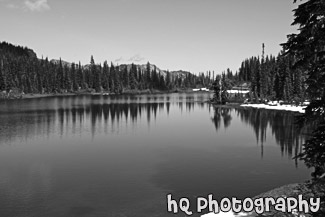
{"x": 315, "y": 189}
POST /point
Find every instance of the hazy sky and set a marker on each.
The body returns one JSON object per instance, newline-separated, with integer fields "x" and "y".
{"x": 194, "y": 35}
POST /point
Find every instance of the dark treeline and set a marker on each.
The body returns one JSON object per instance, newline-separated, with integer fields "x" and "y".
{"x": 273, "y": 78}
{"x": 268, "y": 78}
{"x": 22, "y": 71}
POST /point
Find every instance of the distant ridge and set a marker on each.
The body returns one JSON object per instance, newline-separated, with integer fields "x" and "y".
{"x": 54, "y": 61}
{"x": 16, "y": 50}
{"x": 142, "y": 67}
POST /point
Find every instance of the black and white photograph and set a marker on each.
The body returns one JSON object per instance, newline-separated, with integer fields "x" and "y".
{"x": 162, "y": 108}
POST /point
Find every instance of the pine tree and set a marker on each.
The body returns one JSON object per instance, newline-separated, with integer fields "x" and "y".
{"x": 81, "y": 77}
{"x": 148, "y": 76}
{"x": 2, "y": 76}
{"x": 263, "y": 76}
{"x": 168, "y": 80}
{"x": 155, "y": 78}
{"x": 46, "y": 75}
{"x": 133, "y": 72}
{"x": 74, "y": 77}
{"x": 308, "y": 46}
{"x": 111, "y": 78}
{"x": 98, "y": 78}
{"x": 162, "y": 83}
{"x": 39, "y": 79}
{"x": 94, "y": 76}
{"x": 105, "y": 80}
{"x": 67, "y": 79}
{"x": 225, "y": 85}
{"x": 125, "y": 78}
{"x": 217, "y": 90}
{"x": 60, "y": 77}
{"x": 117, "y": 81}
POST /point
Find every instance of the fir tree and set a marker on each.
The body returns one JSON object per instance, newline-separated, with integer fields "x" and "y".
{"x": 105, "y": 80}
{"x": 308, "y": 46}
{"x": 2, "y": 76}
{"x": 217, "y": 90}
{"x": 60, "y": 77}
{"x": 74, "y": 77}
{"x": 133, "y": 72}
{"x": 80, "y": 77}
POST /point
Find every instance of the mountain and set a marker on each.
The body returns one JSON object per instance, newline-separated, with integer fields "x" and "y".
{"x": 54, "y": 61}
{"x": 180, "y": 73}
{"x": 142, "y": 67}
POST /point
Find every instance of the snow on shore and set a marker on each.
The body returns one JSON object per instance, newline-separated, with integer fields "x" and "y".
{"x": 293, "y": 108}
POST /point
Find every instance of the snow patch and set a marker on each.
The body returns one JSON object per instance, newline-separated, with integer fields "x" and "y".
{"x": 238, "y": 91}
{"x": 274, "y": 106}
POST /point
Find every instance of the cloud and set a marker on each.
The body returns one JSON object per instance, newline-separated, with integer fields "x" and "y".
{"x": 11, "y": 6}
{"x": 119, "y": 59}
{"x": 37, "y": 5}
{"x": 136, "y": 58}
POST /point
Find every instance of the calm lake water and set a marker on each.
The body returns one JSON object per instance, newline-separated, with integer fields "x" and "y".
{"x": 120, "y": 156}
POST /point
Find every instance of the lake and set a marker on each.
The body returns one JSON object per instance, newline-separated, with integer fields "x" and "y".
{"x": 114, "y": 156}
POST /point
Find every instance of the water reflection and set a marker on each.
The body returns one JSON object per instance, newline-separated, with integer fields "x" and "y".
{"x": 39, "y": 117}
{"x": 120, "y": 156}
{"x": 221, "y": 114}
{"x": 280, "y": 123}
{"x": 65, "y": 114}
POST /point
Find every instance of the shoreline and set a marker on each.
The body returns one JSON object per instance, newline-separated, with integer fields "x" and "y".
{"x": 39, "y": 95}
{"x": 283, "y": 107}
{"x": 286, "y": 107}
{"x": 127, "y": 92}
{"x": 285, "y": 191}
{"x": 293, "y": 108}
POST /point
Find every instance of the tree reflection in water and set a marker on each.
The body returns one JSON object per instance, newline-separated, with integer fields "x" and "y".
{"x": 43, "y": 116}
{"x": 73, "y": 115}
{"x": 281, "y": 123}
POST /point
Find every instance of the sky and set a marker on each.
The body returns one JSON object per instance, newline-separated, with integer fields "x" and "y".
{"x": 191, "y": 35}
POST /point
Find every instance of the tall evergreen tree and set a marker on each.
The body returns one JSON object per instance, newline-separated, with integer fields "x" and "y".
{"x": 263, "y": 76}
{"x": 308, "y": 47}
{"x": 217, "y": 89}
{"x": 105, "y": 81}
{"x": 148, "y": 76}
{"x": 2, "y": 76}
{"x": 74, "y": 77}
{"x": 111, "y": 78}
{"x": 133, "y": 73}
{"x": 60, "y": 77}
{"x": 81, "y": 77}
